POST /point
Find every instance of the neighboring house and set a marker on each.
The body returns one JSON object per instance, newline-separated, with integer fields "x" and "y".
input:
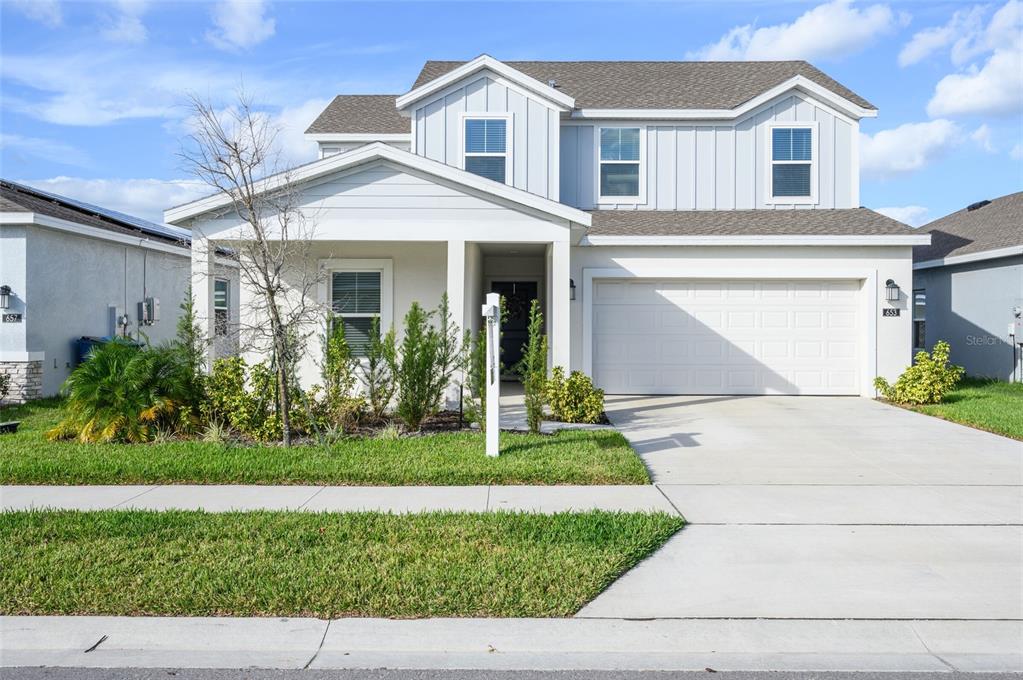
{"x": 968, "y": 287}
{"x": 70, "y": 270}
{"x": 688, "y": 227}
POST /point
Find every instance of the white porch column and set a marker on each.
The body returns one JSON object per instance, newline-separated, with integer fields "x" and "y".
{"x": 456, "y": 300}
{"x": 203, "y": 268}
{"x": 558, "y": 329}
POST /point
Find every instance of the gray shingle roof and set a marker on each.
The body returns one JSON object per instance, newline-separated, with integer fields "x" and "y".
{"x": 837, "y": 222}
{"x": 999, "y": 224}
{"x": 661, "y": 84}
{"x": 361, "y": 113}
{"x": 16, "y": 197}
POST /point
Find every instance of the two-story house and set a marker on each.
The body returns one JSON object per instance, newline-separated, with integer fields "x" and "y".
{"x": 689, "y": 227}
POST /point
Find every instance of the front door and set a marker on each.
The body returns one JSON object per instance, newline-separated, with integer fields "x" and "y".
{"x": 518, "y": 297}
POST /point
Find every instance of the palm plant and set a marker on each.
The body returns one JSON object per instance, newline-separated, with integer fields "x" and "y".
{"x": 123, "y": 393}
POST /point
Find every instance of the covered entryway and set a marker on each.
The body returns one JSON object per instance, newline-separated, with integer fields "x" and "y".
{"x": 728, "y": 336}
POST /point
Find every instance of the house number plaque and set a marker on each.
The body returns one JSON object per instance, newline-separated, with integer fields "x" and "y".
{"x": 12, "y": 318}
{"x": 890, "y": 312}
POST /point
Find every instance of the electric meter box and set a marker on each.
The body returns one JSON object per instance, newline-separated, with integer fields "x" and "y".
{"x": 149, "y": 311}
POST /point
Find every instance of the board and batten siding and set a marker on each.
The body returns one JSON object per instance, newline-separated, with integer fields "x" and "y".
{"x": 535, "y": 145}
{"x": 714, "y": 166}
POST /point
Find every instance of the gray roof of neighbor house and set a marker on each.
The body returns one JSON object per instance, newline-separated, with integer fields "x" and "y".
{"x": 15, "y": 197}
{"x": 661, "y": 84}
{"x": 361, "y": 113}
{"x": 988, "y": 226}
{"x": 832, "y": 222}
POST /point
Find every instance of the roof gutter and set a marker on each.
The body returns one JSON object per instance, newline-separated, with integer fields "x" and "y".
{"x": 760, "y": 240}
{"x": 970, "y": 257}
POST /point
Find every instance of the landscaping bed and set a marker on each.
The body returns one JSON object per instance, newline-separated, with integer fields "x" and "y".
{"x": 446, "y": 458}
{"x": 985, "y": 404}
{"x": 323, "y": 565}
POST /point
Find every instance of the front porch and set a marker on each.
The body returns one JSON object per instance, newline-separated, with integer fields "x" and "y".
{"x": 382, "y": 279}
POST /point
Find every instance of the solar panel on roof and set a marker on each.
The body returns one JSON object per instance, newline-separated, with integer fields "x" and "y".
{"x": 164, "y": 230}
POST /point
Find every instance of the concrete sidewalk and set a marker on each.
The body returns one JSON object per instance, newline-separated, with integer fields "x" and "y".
{"x": 397, "y": 499}
{"x": 593, "y": 644}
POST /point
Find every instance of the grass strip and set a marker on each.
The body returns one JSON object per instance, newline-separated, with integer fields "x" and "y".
{"x": 188, "y": 563}
{"x": 568, "y": 457}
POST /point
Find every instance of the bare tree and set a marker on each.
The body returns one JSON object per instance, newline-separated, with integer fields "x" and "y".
{"x": 233, "y": 152}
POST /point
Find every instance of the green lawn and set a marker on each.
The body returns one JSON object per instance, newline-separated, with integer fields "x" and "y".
{"x": 570, "y": 457}
{"x": 985, "y": 404}
{"x": 322, "y": 565}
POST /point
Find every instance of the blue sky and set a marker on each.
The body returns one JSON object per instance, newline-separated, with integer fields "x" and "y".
{"x": 92, "y": 93}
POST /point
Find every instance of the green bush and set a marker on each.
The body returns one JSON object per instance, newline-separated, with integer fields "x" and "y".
{"x": 375, "y": 370}
{"x": 927, "y": 381}
{"x": 243, "y": 397}
{"x": 533, "y": 368}
{"x": 123, "y": 393}
{"x": 5, "y": 386}
{"x": 424, "y": 366}
{"x": 474, "y": 386}
{"x": 575, "y": 399}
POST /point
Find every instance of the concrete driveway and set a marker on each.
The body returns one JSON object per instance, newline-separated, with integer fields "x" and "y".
{"x": 823, "y": 508}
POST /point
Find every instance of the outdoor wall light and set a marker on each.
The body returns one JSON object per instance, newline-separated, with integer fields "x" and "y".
{"x": 5, "y": 297}
{"x": 891, "y": 291}
{"x": 571, "y": 289}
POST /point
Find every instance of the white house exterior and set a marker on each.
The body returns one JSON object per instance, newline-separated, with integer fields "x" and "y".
{"x": 688, "y": 227}
{"x": 75, "y": 270}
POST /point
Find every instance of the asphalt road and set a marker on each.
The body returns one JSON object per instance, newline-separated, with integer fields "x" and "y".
{"x": 219, "y": 674}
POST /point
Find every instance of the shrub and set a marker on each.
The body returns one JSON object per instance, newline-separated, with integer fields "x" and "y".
{"x": 338, "y": 366}
{"x": 375, "y": 370}
{"x": 425, "y": 364}
{"x": 5, "y": 386}
{"x": 927, "y": 381}
{"x": 123, "y": 393}
{"x": 574, "y": 400}
{"x": 533, "y": 368}
{"x": 191, "y": 344}
{"x": 474, "y": 387}
{"x": 244, "y": 398}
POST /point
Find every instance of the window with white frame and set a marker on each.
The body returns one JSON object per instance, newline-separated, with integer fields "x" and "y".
{"x": 221, "y": 307}
{"x": 792, "y": 162}
{"x": 486, "y": 147}
{"x": 619, "y": 162}
{"x": 919, "y": 319}
{"x": 355, "y": 298}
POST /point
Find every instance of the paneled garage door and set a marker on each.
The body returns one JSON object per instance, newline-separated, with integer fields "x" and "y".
{"x": 683, "y": 336}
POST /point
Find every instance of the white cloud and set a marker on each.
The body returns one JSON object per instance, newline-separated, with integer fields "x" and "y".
{"x": 994, "y": 87}
{"x": 833, "y": 29}
{"x": 100, "y": 87}
{"x": 982, "y": 136}
{"x": 1016, "y": 153}
{"x": 906, "y": 148}
{"x": 962, "y": 33}
{"x": 913, "y": 215}
{"x": 46, "y": 149}
{"x": 291, "y": 124}
{"x": 46, "y": 12}
{"x": 125, "y": 26}
{"x": 145, "y": 198}
{"x": 240, "y": 24}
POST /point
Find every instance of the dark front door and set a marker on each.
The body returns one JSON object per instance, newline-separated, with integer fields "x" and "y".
{"x": 518, "y": 296}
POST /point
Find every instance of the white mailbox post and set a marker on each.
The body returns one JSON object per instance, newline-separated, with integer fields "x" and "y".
{"x": 492, "y": 318}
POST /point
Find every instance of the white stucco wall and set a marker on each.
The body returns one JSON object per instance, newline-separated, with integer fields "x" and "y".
{"x": 71, "y": 280}
{"x": 887, "y": 339}
{"x": 419, "y": 273}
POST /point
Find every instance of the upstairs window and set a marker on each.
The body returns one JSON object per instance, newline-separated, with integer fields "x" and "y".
{"x": 221, "y": 307}
{"x": 619, "y": 163}
{"x": 792, "y": 162}
{"x": 486, "y": 147}
{"x": 355, "y": 298}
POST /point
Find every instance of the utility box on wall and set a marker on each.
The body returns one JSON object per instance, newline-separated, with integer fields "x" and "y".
{"x": 149, "y": 311}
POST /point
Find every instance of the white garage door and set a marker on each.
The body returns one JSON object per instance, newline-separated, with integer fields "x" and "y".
{"x": 683, "y": 336}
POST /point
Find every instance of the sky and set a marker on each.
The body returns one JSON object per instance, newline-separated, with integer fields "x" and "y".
{"x": 93, "y": 95}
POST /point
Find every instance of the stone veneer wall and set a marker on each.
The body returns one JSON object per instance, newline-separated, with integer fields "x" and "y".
{"x": 26, "y": 380}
